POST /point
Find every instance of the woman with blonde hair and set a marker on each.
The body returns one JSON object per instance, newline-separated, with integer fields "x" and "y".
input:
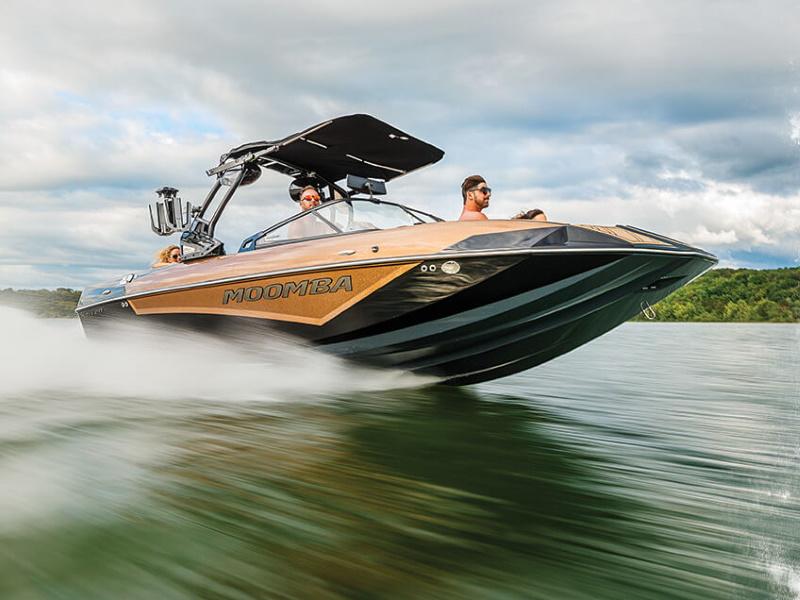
{"x": 167, "y": 256}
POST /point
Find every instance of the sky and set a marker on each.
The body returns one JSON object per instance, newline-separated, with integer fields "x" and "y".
{"x": 680, "y": 117}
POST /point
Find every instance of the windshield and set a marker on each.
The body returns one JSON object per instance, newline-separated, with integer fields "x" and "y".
{"x": 345, "y": 216}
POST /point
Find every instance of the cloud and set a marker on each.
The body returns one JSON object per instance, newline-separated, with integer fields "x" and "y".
{"x": 678, "y": 116}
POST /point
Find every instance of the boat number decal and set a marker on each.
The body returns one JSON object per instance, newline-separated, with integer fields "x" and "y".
{"x": 323, "y": 285}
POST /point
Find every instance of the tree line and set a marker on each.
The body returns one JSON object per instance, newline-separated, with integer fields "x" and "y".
{"x": 58, "y": 303}
{"x": 736, "y": 295}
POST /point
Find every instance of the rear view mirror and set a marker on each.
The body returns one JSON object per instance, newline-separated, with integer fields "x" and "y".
{"x": 365, "y": 185}
{"x": 171, "y": 214}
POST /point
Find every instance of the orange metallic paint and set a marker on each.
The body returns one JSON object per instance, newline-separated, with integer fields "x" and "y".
{"x": 312, "y": 309}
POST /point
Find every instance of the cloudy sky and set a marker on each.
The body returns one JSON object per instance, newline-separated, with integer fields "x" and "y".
{"x": 682, "y": 117}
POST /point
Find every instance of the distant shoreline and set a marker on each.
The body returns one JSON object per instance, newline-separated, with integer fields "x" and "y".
{"x": 49, "y": 304}
{"x": 719, "y": 296}
{"x": 735, "y": 296}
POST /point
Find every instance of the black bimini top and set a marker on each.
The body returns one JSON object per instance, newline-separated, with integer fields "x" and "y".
{"x": 351, "y": 145}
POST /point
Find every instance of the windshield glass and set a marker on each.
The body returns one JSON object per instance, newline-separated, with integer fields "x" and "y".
{"x": 343, "y": 217}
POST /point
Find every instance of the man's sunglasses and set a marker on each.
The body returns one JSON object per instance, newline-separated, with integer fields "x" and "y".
{"x": 484, "y": 190}
{"x": 310, "y": 198}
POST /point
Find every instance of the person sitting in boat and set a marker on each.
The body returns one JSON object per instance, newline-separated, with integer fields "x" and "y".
{"x": 310, "y": 225}
{"x": 535, "y": 214}
{"x": 476, "y": 195}
{"x": 309, "y": 197}
{"x": 167, "y": 256}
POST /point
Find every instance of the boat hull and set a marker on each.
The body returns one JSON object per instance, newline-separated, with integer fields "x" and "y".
{"x": 502, "y": 313}
{"x": 529, "y": 328}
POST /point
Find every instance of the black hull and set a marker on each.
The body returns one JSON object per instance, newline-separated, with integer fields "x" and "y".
{"x": 528, "y": 329}
{"x": 509, "y": 313}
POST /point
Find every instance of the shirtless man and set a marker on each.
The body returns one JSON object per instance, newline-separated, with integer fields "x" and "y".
{"x": 476, "y": 196}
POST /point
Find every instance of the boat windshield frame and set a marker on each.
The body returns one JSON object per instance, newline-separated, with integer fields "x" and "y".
{"x": 252, "y": 242}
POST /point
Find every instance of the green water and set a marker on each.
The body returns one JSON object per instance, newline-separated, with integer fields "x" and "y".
{"x": 660, "y": 461}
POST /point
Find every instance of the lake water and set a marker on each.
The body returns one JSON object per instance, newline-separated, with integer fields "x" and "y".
{"x": 660, "y": 461}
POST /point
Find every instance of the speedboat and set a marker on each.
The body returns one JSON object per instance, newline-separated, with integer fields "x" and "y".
{"x": 384, "y": 284}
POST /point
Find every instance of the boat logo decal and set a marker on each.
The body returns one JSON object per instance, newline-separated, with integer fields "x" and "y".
{"x": 273, "y": 291}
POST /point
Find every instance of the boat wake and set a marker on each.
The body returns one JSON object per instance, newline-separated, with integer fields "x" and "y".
{"x": 53, "y": 356}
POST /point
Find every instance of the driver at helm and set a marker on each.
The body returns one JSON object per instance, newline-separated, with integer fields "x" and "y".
{"x": 309, "y": 197}
{"x": 308, "y": 225}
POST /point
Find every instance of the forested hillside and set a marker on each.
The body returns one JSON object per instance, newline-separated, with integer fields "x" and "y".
{"x": 43, "y": 303}
{"x": 736, "y": 295}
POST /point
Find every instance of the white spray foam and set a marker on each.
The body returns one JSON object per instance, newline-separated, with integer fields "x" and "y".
{"x": 786, "y": 576}
{"x": 79, "y": 419}
{"x": 39, "y": 355}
